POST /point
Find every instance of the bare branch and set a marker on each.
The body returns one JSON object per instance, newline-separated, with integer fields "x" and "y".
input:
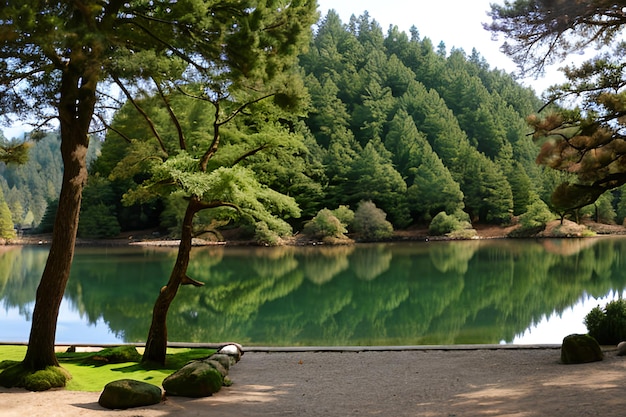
{"x": 142, "y": 112}
{"x": 181, "y": 137}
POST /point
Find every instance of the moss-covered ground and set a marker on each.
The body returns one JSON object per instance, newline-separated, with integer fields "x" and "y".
{"x": 91, "y": 371}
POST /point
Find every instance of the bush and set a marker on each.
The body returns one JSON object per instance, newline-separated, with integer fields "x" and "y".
{"x": 324, "y": 224}
{"x": 608, "y": 325}
{"x": 345, "y": 215}
{"x": 371, "y": 222}
{"x": 537, "y": 216}
{"x": 456, "y": 225}
{"x": 266, "y": 236}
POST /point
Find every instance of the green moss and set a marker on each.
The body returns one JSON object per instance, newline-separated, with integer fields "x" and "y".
{"x": 118, "y": 354}
{"x": 18, "y": 376}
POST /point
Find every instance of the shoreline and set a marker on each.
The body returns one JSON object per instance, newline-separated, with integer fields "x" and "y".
{"x": 483, "y": 232}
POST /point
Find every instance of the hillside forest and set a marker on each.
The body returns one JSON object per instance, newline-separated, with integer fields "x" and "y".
{"x": 392, "y": 124}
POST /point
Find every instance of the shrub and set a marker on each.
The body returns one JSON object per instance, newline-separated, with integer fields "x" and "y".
{"x": 371, "y": 222}
{"x": 455, "y": 225}
{"x": 266, "y": 236}
{"x": 345, "y": 215}
{"x": 537, "y": 215}
{"x": 324, "y": 224}
{"x": 608, "y": 325}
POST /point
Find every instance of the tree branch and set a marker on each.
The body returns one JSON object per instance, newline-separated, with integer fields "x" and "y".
{"x": 142, "y": 112}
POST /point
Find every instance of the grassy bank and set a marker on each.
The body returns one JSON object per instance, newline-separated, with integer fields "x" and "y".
{"x": 91, "y": 373}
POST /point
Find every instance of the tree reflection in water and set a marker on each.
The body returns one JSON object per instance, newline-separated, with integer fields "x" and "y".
{"x": 482, "y": 291}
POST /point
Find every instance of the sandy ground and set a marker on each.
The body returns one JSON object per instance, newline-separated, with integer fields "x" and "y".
{"x": 482, "y": 382}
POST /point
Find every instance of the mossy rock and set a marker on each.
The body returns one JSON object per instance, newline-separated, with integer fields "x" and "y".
{"x": 580, "y": 348}
{"x": 17, "y": 376}
{"x": 196, "y": 379}
{"x": 118, "y": 354}
{"x": 129, "y": 393}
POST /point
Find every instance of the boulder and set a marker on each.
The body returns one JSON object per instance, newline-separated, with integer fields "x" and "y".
{"x": 580, "y": 348}
{"x": 217, "y": 365}
{"x": 233, "y": 350}
{"x": 226, "y": 360}
{"x": 621, "y": 349}
{"x": 128, "y": 393}
{"x": 196, "y": 379}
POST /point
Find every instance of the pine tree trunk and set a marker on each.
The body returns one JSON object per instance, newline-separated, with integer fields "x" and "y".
{"x": 75, "y": 117}
{"x": 156, "y": 345}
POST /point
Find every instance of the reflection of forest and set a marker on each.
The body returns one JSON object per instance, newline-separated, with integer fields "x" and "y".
{"x": 422, "y": 293}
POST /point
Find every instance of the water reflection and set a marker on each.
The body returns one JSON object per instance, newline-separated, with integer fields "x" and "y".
{"x": 383, "y": 294}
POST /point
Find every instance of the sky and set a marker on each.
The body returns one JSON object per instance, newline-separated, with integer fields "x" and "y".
{"x": 458, "y": 25}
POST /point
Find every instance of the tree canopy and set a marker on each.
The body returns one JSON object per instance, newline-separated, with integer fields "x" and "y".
{"x": 588, "y": 141}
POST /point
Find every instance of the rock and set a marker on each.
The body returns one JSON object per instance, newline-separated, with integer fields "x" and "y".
{"x": 218, "y": 366}
{"x": 128, "y": 393}
{"x": 226, "y": 360}
{"x": 196, "y": 379}
{"x": 580, "y": 348}
{"x": 621, "y": 349}
{"x": 233, "y": 350}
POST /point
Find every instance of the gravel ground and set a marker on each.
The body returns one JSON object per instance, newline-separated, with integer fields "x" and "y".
{"x": 476, "y": 382}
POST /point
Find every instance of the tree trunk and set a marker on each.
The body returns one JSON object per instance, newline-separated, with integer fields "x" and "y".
{"x": 156, "y": 345}
{"x": 76, "y": 107}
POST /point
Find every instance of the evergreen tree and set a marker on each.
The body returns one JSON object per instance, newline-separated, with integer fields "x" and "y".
{"x": 587, "y": 141}
{"x": 373, "y": 178}
{"x": 6, "y": 222}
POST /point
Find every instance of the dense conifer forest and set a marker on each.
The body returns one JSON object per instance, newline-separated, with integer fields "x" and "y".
{"x": 419, "y": 130}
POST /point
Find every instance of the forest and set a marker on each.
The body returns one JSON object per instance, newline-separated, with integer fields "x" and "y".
{"x": 416, "y": 131}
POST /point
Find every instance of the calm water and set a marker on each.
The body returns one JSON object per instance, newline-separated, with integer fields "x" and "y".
{"x": 494, "y": 291}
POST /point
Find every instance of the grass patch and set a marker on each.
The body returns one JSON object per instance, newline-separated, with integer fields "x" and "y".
{"x": 91, "y": 373}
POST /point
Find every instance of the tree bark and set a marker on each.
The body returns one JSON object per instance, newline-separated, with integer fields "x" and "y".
{"x": 76, "y": 108}
{"x": 156, "y": 345}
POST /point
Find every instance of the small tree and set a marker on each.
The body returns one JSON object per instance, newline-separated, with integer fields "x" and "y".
{"x": 371, "y": 222}
{"x": 6, "y": 223}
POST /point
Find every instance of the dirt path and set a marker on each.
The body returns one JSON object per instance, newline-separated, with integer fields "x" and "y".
{"x": 501, "y": 382}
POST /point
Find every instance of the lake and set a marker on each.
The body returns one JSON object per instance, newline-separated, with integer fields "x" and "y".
{"x": 422, "y": 293}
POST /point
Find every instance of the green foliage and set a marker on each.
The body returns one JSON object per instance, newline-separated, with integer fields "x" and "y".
{"x": 371, "y": 223}
{"x": 28, "y": 187}
{"x": 6, "y": 222}
{"x": 47, "y": 222}
{"x": 266, "y": 236}
{"x": 449, "y": 126}
{"x": 445, "y": 224}
{"x": 602, "y": 210}
{"x": 608, "y": 325}
{"x": 16, "y": 375}
{"x": 344, "y": 214}
{"x": 14, "y": 153}
{"x": 537, "y": 215}
{"x": 325, "y": 224}
{"x": 97, "y": 222}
